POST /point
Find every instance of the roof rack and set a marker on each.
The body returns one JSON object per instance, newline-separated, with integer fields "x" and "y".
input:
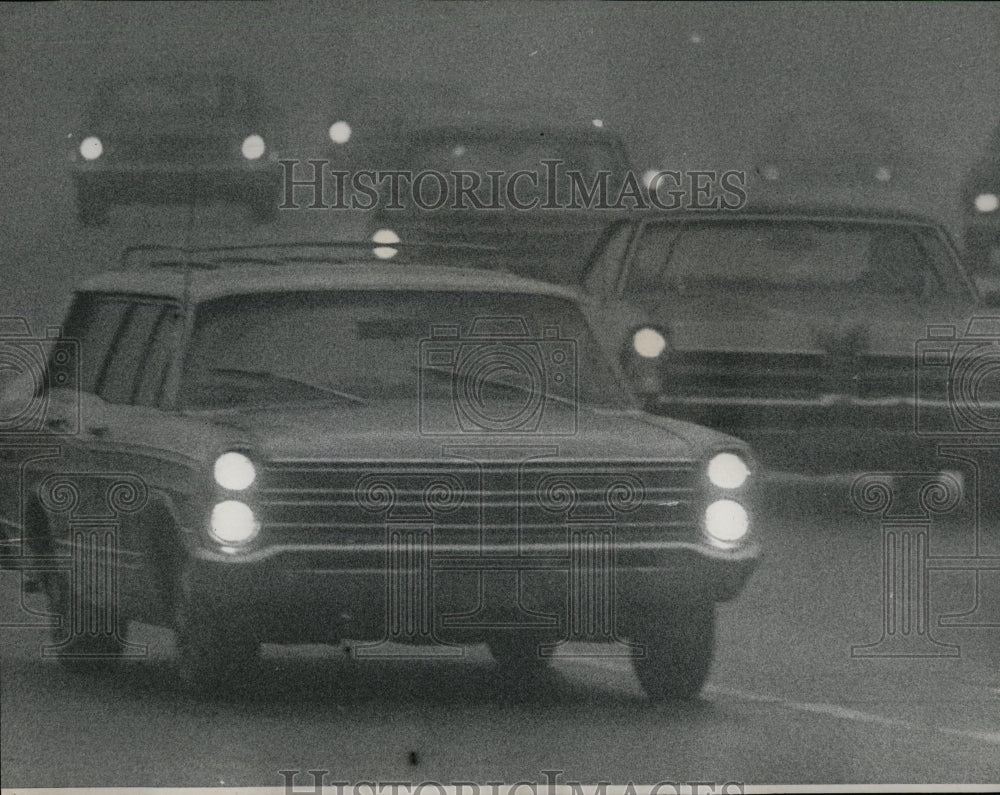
{"x": 212, "y": 257}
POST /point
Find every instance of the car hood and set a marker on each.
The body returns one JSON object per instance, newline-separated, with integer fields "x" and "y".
{"x": 391, "y": 431}
{"x": 799, "y": 321}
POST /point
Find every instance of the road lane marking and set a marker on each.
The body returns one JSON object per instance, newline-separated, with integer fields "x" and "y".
{"x": 819, "y": 708}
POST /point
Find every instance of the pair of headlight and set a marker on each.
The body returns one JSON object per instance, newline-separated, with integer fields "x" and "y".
{"x": 253, "y": 147}
{"x": 233, "y": 521}
{"x": 726, "y": 520}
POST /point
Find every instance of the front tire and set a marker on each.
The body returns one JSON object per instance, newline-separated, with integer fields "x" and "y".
{"x": 95, "y": 649}
{"x": 678, "y": 651}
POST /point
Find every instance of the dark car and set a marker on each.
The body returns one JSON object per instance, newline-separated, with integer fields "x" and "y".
{"x": 275, "y": 448}
{"x": 532, "y": 224}
{"x": 806, "y": 331}
{"x": 183, "y": 136}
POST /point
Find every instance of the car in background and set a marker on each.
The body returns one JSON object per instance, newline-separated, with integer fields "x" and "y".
{"x": 981, "y": 210}
{"x": 303, "y": 447}
{"x": 558, "y": 237}
{"x": 802, "y": 329}
{"x": 175, "y": 136}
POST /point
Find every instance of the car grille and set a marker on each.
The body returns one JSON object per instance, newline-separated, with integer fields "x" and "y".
{"x": 181, "y": 149}
{"x": 464, "y": 504}
{"x": 789, "y": 376}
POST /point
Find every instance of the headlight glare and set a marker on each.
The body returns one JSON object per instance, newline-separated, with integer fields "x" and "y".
{"x": 726, "y": 522}
{"x": 648, "y": 343}
{"x": 987, "y": 202}
{"x": 253, "y": 147}
{"x": 91, "y": 148}
{"x": 728, "y": 471}
{"x": 385, "y": 236}
{"x": 234, "y": 471}
{"x": 233, "y": 522}
{"x": 340, "y": 132}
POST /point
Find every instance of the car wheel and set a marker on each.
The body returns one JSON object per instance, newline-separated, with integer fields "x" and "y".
{"x": 678, "y": 649}
{"x": 91, "y": 651}
{"x": 213, "y": 653}
{"x": 518, "y": 654}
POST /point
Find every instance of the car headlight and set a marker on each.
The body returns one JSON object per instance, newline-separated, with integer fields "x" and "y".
{"x": 726, "y": 522}
{"x": 385, "y": 236}
{"x": 728, "y": 471}
{"x": 91, "y": 148}
{"x": 234, "y": 471}
{"x": 340, "y": 132}
{"x": 987, "y": 202}
{"x": 253, "y": 147}
{"x": 648, "y": 343}
{"x": 233, "y": 522}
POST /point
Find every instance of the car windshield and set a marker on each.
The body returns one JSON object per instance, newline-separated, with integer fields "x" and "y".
{"x": 171, "y": 95}
{"x": 357, "y": 347}
{"x": 885, "y": 259}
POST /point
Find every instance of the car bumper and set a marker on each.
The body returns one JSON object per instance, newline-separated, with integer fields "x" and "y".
{"x": 324, "y": 594}
{"x": 151, "y": 182}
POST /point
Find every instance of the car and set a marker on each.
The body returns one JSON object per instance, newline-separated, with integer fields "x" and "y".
{"x": 802, "y": 328}
{"x": 167, "y": 136}
{"x": 560, "y": 236}
{"x": 307, "y": 447}
{"x": 980, "y": 197}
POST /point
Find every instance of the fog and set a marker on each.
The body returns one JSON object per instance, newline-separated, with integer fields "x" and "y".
{"x": 687, "y": 85}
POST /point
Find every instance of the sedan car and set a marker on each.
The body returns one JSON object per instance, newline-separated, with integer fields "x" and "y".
{"x": 175, "y": 137}
{"x": 529, "y": 217}
{"x": 832, "y": 339}
{"x": 281, "y": 448}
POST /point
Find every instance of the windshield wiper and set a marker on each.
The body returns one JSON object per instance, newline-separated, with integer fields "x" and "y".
{"x": 265, "y": 374}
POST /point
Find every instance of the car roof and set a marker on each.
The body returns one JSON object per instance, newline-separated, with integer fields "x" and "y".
{"x": 795, "y": 212}
{"x": 198, "y": 284}
{"x": 493, "y": 130}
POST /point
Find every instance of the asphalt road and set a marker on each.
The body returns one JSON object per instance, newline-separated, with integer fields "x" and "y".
{"x": 786, "y": 702}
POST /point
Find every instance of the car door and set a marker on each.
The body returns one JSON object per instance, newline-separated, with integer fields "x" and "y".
{"x": 131, "y": 456}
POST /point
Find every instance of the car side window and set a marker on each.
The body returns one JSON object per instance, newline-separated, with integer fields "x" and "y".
{"x": 93, "y": 323}
{"x": 131, "y": 364}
